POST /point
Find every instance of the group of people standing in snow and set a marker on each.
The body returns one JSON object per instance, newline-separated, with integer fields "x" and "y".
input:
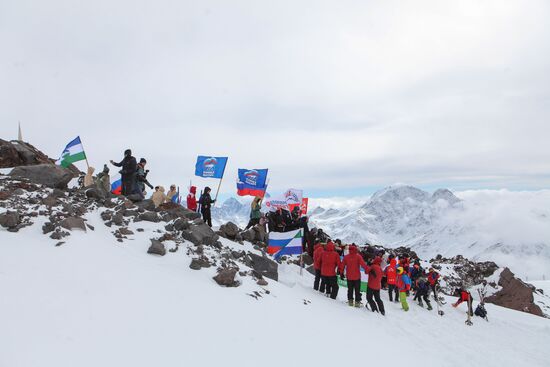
{"x": 384, "y": 272}
{"x": 134, "y": 182}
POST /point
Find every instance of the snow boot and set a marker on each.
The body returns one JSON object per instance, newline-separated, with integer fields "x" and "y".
{"x": 420, "y": 303}
{"x": 357, "y": 304}
{"x": 350, "y": 303}
{"x": 429, "y": 306}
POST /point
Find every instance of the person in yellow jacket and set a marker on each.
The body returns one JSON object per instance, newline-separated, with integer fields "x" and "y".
{"x": 158, "y": 196}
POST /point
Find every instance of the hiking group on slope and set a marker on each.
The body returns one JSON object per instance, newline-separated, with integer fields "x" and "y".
{"x": 383, "y": 272}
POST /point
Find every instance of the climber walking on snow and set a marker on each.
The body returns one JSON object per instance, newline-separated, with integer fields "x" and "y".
{"x": 330, "y": 263}
{"x": 404, "y": 286}
{"x": 374, "y": 285}
{"x": 391, "y": 279}
{"x": 352, "y": 264}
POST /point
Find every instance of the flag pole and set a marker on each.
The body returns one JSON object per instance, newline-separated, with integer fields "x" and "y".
{"x": 220, "y": 184}
{"x": 302, "y": 258}
{"x": 85, "y": 155}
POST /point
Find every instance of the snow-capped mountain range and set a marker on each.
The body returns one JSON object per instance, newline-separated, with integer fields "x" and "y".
{"x": 510, "y": 228}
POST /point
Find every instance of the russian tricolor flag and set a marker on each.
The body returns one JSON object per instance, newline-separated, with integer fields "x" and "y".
{"x": 116, "y": 187}
{"x": 285, "y": 243}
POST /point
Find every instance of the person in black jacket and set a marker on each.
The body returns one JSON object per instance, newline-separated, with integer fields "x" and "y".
{"x": 206, "y": 203}
{"x": 141, "y": 178}
{"x": 128, "y": 172}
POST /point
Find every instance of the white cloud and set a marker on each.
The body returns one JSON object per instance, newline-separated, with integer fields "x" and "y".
{"x": 326, "y": 95}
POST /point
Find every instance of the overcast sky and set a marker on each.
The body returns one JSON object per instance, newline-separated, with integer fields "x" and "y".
{"x": 335, "y": 97}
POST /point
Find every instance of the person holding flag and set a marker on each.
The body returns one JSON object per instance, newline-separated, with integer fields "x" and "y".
{"x": 255, "y": 212}
{"x": 206, "y": 203}
{"x": 128, "y": 171}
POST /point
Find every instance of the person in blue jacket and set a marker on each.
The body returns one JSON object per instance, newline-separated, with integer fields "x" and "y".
{"x": 404, "y": 286}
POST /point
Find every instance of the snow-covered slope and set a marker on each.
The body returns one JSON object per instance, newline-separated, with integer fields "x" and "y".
{"x": 96, "y": 302}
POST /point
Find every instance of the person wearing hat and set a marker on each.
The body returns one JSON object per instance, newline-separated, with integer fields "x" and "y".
{"x": 404, "y": 285}
{"x": 433, "y": 278}
{"x": 128, "y": 172}
{"x": 141, "y": 177}
{"x": 206, "y": 203}
{"x": 170, "y": 194}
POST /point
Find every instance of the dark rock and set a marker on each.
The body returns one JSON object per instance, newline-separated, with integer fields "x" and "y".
{"x": 135, "y": 198}
{"x": 200, "y": 234}
{"x": 514, "y": 294}
{"x": 156, "y": 248}
{"x": 106, "y": 215}
{"x": 4, "y": 195}
{"x": 237, "y": 254}
{"x": 118, "y": 219}
{"x": 48, "y": 227}
{"x": 57, "y": 235}
{"x": 9, "y": 219}
{"x": 169, "y": 227}
{"x": 262, "y": 282}
{"x": 130, "y": 213}
{"x": 145, "y": 205}
{"x": 263, "y": 265}
{"x": 226, "y": 277}
{"x": 71, "y": 223}
{"x": 195, "y": 265}
{"x": 44, "y": 174}
{"x": 50, "y": 201}
{"x": 95, "y": 193}
{"x": 59, "y": 243}
{"x": 229, "y": 230}
{"x": 90, "y": 227}
{"x": 149, "y": 217}
{"x": 192, "y": 215}
{"x": 125, "y": 231}
{"x": 201, "y": 262}
{"x": 140, "y": 229}
{"x": 181, "y": 224}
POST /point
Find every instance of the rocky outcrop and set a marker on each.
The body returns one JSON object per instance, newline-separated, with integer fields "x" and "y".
{"x": 200, "y": 234}
{"x": 515, "y": 294}
{"x": 72, "y": 223}
{"x": 226, "y": 277}
{"x": 229, "y": 231}
{"x": 45, "y": 174}
{"x": 9, "y": 219}
{"x": 262, "y": 265}
{"x": 14, "y": 154}
{"x": 156, "y": 248}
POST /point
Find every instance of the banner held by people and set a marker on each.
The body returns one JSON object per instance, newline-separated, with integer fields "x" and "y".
{"x": 294, "y": 196}
{"x": 303, "y": 206}
{"x": 252, "y": 182}
{"x": 73, "y": 152}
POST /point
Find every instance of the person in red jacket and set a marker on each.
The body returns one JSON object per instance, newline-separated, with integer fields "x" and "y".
{"x": 330, "y": 262}
{"x": 317, "y": 267}
{"x": 375, "y": 283}
{"x": 192, "y": 199}
{"x": 352, "y": 264}
{"x": 464, "y": 296}
{"x": 391, "y": 278}
{"x": 433, "y": 278}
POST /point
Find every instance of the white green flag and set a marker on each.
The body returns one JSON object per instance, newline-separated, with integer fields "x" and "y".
{"x": 73, "y": 152}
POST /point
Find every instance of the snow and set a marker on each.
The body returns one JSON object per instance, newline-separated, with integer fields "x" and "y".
{"x": 96, "y": 302}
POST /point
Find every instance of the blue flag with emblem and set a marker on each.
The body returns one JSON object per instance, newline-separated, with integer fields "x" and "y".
{"x": 210, "y": 167}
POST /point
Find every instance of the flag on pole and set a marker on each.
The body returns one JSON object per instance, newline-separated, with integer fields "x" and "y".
{"x": 73, "y": 152}
{"x": 210, "y": 167}
{"x": 252, "y": 182}
{"x": 285, "y": 243}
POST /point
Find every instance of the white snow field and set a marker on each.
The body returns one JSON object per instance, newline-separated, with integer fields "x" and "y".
{"x": 96, "y": 302}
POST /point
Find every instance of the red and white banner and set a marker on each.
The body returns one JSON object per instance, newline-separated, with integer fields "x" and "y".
{"x": 303, "y": 206}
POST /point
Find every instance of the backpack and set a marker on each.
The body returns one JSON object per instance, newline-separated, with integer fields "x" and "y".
{"x": 481, "y": 311}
